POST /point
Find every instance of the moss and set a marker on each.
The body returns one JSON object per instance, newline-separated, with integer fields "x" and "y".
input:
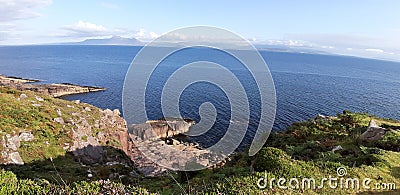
{"x": 269, "y": 158}
{"x": 84, "y": 138}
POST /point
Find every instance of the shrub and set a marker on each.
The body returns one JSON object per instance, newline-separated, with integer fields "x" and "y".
{"x": 269, "y": 158}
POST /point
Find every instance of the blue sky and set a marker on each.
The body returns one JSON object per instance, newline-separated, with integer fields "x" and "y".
{"x": 362, "y": 28}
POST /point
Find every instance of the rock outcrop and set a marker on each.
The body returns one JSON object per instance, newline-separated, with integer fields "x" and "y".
{"x": 94, "y": 136}
{"x": 10, "y": 145}
{"x": 374, "y": 132}
{"x": 87, "y": 145}
{"x": 6, "y": 80}
{"x": 156, "y": 129}
{"x": 55, "y": 90}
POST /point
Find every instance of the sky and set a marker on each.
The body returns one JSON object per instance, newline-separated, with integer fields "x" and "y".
{"x": 366, "y": 28}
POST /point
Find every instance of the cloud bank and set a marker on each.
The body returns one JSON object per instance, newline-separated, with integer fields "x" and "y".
{"x": 85, "y": 29}
{"x": 11, "y": 10}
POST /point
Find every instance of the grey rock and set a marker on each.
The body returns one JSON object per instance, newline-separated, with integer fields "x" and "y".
{"x": 16, "y": 158}
{"x": 155, "y": 129}
{"x": 116, "y": 112}
{"x": 108, "y": 112}
{"x": 77, "y": 101}
{"x": 374, "y": 132}
{"x": 89, "y": 154}
{"x": 59, "y": 112}
{"x": 59, "y": 120}
{"x": 26, "y": 136}
{"x": 101, "y": 135}
{"x": 372, "y": 123}
{"x": 36, "y": 105}
{"x": 88, "y": 109}
{"x": 336, "y": 148}
{"x": 23, "y": 96}
{"x": 13, "y": 142}
{"x": 39, "y": 99}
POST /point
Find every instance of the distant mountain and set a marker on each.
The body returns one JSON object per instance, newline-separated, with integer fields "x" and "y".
{"x": 115, "y": 40}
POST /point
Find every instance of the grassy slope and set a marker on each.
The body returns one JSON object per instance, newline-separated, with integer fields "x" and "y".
{"x": 303, "y": 150}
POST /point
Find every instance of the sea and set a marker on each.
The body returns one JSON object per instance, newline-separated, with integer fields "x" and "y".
{"x": 306, "y": 84}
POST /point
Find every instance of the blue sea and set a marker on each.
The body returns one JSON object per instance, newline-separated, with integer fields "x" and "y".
{"x": 306, "y": 84}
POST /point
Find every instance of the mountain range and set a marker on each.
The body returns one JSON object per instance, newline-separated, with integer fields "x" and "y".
{"x": 115, "y": 40}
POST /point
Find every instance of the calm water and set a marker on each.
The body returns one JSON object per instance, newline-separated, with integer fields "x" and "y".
{"x": 306, "y": 84}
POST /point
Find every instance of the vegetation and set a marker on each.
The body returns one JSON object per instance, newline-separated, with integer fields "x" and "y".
{"x": 304, "y": 150}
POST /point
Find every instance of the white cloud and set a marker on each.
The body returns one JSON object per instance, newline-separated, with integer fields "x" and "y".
{"x": 327, "y": 47}
{"x": 176, "y": 37}
{"x": 11, "y": 10}
{"x": 140, "y": 33}
{"x": 83, "y": 29}
{"x": 86, "y": 29}
{"x": 153, "y": 35}
{"x": 289, "y": 43}
{"x": 144, "y": 35}
{"x": 375, "y": 50}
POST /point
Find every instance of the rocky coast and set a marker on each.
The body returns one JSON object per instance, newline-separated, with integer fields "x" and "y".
{"x": 93, "y": 136}
{"x": 55, "y": 90}
{"x": 62, "y": 147}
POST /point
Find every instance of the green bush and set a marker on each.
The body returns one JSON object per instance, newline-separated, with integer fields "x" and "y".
{"x": 391, "y": 141}
{"x": 269, "y": 158}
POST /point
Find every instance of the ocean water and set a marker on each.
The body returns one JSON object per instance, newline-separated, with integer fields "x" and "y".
{"x": 306, "y": 84}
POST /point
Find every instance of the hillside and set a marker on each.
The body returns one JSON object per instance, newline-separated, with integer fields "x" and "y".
{"x": 53, "y": 146}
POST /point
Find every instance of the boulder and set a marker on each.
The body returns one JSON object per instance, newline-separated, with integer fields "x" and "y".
{"x": 39, "y": 99}
{"x": 89, "y": 154}
{"x": 116, "y": 112}
{"x": 155, "y": 129}
{"x": 59, "y": 120}
{"x": 108, "y": 112}
{"x": 9, "y": 153}
{"x": 13, "y": 142}
{"x": 23, "y": 96}
{"x": 15, "y": 158}
{"x": 336, "y": 148}
{"x": 374, "y": 132}
{"x": 59, "y": 112}
{"x": 320, "y": 117}
{"x": 26, "y": 136}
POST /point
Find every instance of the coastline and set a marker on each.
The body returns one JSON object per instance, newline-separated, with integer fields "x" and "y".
{"x": 88, "y": 144}
{"x": 12, "y": 79}
{"x": 55, "y": 89}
